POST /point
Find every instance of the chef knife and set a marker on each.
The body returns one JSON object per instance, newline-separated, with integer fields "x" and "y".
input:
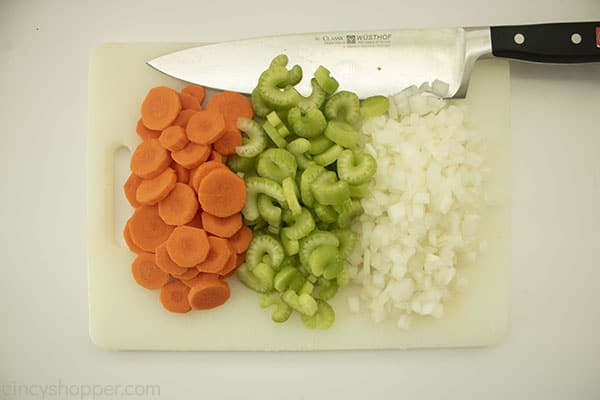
{"x": 384, "y": 62}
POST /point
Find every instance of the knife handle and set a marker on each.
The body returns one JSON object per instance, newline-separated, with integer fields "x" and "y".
{"x": 565, "y": 43}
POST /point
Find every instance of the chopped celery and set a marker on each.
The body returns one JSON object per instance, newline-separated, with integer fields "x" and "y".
{"x": 319, "y": 144}
{"x": 241, "y": 164}
{"x": 262, "y": 245}
{"x": 314, "y": 240}
{"x": 374, "y": 106}
{"x": 257, "y": 138}
{"x": 304, "y": 303}
{"x": 328, "y": 190}
{"x": 303, "y": 225}
{"x": 307, "y": 123}
{"x": 329, "y": 156}
{"x": 343, "y": 106}
{"x": 342, "y": 134}
{"x": 274, "y": 135}
{"x": 261, "y": 109}
{"x": 325, "y": 80}
{"x": 274, "y": 86}
{"x": 356, "y": 167}
{"x": 276, "y": 164}
{"x": 323, "y": 318}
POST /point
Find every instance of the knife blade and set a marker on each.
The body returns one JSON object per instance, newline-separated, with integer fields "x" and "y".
{"x": 383, "y": 62}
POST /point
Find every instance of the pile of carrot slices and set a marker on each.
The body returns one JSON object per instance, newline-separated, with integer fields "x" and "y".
{"x": 187, "y": 228}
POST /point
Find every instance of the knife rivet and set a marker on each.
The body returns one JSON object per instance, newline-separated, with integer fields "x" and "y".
{"x": 576, "y": 38}
{"x": 519, "y": 38}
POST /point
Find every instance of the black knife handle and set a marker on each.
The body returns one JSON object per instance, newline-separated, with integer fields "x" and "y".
{"x": 569, "y": 42}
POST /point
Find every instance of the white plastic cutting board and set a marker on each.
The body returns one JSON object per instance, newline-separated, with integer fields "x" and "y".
{"x": 124, "y": 316}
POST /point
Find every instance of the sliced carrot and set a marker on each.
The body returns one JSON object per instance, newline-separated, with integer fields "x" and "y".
{"x": 174, "y": 297}
{"x": 183, "y": 174}
{"x": 205, "y": 127}
{"x": 189, "y": 102}
{"x": 241, "y": 240}
{"x": 208, "y": 293}
{"x": 188, "y": 246}
{"x": 195, "y": 90}
{"x": 192, "y": 155}
{"x": 191, "y": 273}
{"x": 130, "y": 187}
{"x": 160, "y": 108}
{"x": 232, "y": 105}
{"x": 146, "y": 273}
{"x": 227, "y": 143}
{"x": 229, "y": 267}
{"x": 184, "y": 117}
{"x": 218, "y": 157}
{"x": 164, "y": 262}
{"x": 173, "y": 138}
{"x": 145, "y": 133}
{"x": 240, "y": 259}
{"x": 129, "y": 241}
{"x": 151, "y": 191}
{"x": 202, "y": 171}
{"x": 220, "y": 251}
{"x": 147, "y": 228}
{"x": 196, "y": 222}
{"x": 149, "y": 159}
{"x": 222, "y": 193}
{"x": 180, "y": 206}
{"x": 222, "y": 227}
{"x": 200, "y": 277}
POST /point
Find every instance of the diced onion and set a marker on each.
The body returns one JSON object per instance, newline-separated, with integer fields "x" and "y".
{"x": 422, "y": 216}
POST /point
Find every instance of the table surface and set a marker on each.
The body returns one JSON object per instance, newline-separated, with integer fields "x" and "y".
{"x": 551, "y": 351}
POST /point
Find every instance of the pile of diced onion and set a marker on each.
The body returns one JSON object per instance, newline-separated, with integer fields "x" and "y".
{"x": 421, "y": 219}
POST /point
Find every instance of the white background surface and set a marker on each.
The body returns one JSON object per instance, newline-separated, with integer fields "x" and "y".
{"x": 552, "y": 350}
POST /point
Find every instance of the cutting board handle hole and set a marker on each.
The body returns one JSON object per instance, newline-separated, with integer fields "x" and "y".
{"x": 122, "y": 208}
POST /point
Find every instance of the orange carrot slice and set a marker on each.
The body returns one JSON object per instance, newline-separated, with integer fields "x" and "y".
{"x": 218, "y": 157}
{"x": 164, "y": 262}
{"x": 180, "y": 206}
{"x": 230, "y": 266}
{"x": 129, "y": 241}
{"x": 241, "y": 240}
{"x": 222, "y": 193}
{"x": 183, "y": 174}
{"x": 173, "y": 138}
{"x": 220, "y": 251}
{"x": 222, "y": 227}
{"x": 205, "y": 127}
{"x": 195, "y": 90}
{"x": 191, "y": 273}
{"x": 208, "y": 294}
{"x": 151, "y": 191}
{"x": 188, "y": 246}
{"x": 189, "y": 102}
{"x": 184, "y": 117}
{"x": 192, "y": 155}
{"x": 227, "y": 143}
{"x": 147, "y": 228}
{"x": 145, "y": 133}
{"x": 160, "y": 108}
{"x": 130, "y": 187}
{"x": 201, "y": 276}
{"x": 149, "y": 159}
{"x": 174, "y": 297}
{"x": 232, "y": 105}
{"x": 196, "y": 222}
{"x": 146, "y": 273}
{"x": 202, "y": 171}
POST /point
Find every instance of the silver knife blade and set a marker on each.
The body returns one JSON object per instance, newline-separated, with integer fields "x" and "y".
{"x": 367, "y": 63}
